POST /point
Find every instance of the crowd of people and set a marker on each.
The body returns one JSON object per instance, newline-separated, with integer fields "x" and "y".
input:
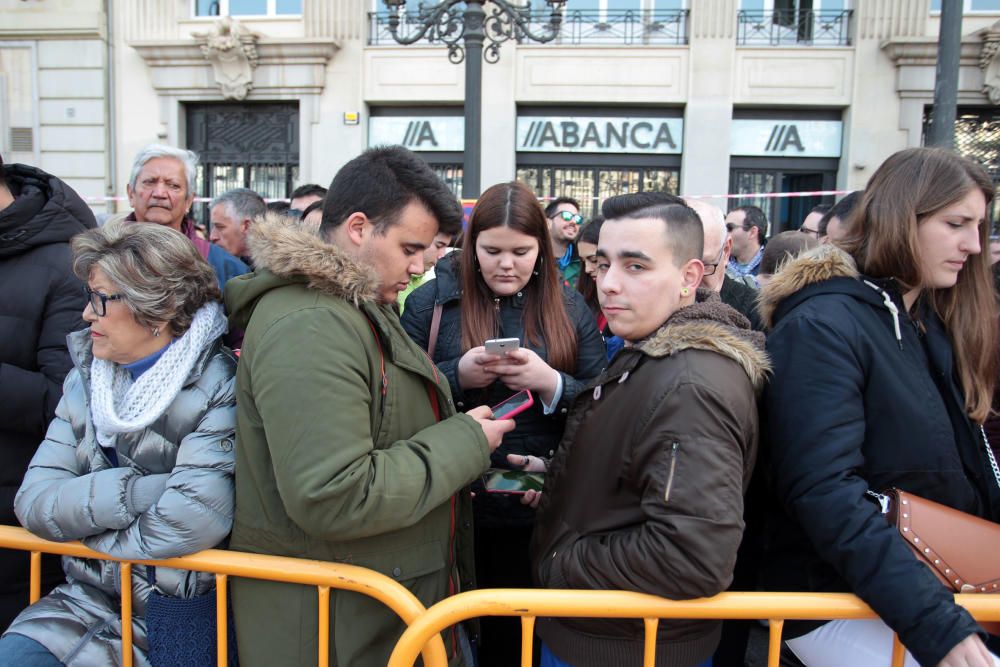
{"x": 708, "y": 409}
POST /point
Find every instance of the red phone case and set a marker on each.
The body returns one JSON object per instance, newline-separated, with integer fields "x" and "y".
{"x": 518, "y": 410}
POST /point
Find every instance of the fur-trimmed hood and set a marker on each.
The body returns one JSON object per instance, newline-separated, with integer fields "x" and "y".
{"x": 281, "y": 248}
{"x": 711, "y": 325}
{"x": 812, "y": 267}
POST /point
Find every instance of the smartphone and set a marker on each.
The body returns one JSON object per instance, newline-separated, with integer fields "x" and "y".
{"x": 514, "y": 405}
{"x": 501, "y": 345}
{"x": 512, "y": 481}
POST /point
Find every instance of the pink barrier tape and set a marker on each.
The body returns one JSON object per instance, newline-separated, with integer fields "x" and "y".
{"x": 741, "y": 195}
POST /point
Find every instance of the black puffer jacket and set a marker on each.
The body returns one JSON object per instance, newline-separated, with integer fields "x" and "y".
{"x": 863, "y": 397}
{"x": 41, "y": 301}
{"x": 536, "y": 433}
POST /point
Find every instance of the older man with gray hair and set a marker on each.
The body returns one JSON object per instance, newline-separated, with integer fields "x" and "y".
{"x": 161, "y": 191}
{"x": 718, "y": 248}
{"x": 231, "y": 214}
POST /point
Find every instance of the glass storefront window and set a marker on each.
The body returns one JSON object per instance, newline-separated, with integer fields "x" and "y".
{"x": 592, "y": 185}
{"x": 247, "y": 7}
{"x": 451, "y": 174}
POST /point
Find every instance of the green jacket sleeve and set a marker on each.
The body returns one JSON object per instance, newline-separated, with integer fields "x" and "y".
{"x": 312, "y": 387}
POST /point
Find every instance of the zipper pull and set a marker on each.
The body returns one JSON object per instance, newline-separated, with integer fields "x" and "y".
{"x": 674, "y": 447}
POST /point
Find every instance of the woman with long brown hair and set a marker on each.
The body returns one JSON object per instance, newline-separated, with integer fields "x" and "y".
{"x": 504, "y": 283}
{"x": 884, "y": 356}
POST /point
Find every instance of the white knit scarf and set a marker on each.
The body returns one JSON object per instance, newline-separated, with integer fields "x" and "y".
{"x": 118, "y": 405}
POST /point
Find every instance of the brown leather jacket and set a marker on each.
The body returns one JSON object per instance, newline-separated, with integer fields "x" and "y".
{"x": 645, "y": 492}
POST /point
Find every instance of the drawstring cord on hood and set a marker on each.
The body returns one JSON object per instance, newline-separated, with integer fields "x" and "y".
{"x": 892, "y": 309}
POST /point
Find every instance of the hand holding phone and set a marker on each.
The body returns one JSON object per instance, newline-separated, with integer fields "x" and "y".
{"x": 514, "y": 482}
{"x": 500, "y": 346}
{"x": 514, "y": 405}
{"x": 475, "y": 369}
{"x": 493, "y": 429}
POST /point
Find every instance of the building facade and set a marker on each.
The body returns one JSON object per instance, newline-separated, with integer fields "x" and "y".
{"x": 700, "y": 97}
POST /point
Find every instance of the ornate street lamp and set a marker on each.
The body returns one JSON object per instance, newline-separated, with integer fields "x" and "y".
{"x": 465, "y": 26}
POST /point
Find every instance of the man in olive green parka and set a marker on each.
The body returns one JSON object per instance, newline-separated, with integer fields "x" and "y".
{"x": 341, "y": 456}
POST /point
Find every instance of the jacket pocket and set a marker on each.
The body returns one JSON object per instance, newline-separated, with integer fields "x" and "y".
{"x": 675, "y": 451}
{"x": 405, "y": 564}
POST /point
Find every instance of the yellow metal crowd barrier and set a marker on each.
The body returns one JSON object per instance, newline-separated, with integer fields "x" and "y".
{"x": 224, "y": 564}
{"x": 531, "y": 603}
{"x": 425, "y": 625}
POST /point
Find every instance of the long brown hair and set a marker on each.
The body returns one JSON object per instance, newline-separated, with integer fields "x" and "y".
{"x": 910, "y": 186}
{"x": 513, "y": 205}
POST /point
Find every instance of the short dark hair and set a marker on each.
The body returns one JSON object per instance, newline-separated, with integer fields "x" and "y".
{"x": 318, "y": 204}
{"x": 591, "y": 232}
{"x": 380, "y": 183}
{"x": 279, "y": 206}
{"x": 2, "y": 181}
{"x": 621, "y": 206}
{"x": 753, "y": 216}
{"x": 684, "y": 232}
{"x": 841, "y": 210}
{"x": 782, "y": 247}
{"x": 307, "y": 190}
{"x": 550, "y": 208}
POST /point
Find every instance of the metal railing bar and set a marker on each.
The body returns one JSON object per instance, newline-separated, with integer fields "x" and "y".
{"x": 252, "y": 566}
{"x": 775, "y": 626}
{"x": 35, "y": 583}
{"x": 126, "y": 593}
{"x": 527, "y": 640}
{"x": 221, "y": 620}
{"x": 649, "y": 652}
{"x": 898, "y": 651}
{"x": 324, "y": 625}
{"x": 620, "y": 604}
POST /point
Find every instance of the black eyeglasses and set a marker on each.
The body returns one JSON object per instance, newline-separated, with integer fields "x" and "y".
{"x": 569, "y": 217}
{"x": 99, "y": 302}
{"x": 806, "y": 230}
{"x": 730, "y": 226}
{"x": 711, "y": 266}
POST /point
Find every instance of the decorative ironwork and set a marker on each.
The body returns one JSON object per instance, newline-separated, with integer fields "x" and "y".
{"x": 785, "y": 27}
{"x": 449, "y": 21}
{"x": 579, "y": 27}
{"x": 245, "y": 145}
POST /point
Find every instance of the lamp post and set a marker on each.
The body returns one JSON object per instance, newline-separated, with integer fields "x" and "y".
{"x": 465, "y": 31}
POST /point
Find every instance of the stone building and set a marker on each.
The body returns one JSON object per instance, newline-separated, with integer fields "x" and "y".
{"x": 696, "y": 96}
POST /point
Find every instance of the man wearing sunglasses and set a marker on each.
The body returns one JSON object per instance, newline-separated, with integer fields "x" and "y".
{"x": 564, "y": 226}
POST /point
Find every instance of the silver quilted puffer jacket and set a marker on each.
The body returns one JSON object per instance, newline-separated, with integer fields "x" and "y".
{"x": 73, "y": 492}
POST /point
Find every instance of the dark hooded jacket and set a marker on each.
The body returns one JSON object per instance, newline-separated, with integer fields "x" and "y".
{"x": 536, "y": 434}
{"x": 645, "y": 492}
{"x": 41, "y": 302}
{"x": 864, "y": 396}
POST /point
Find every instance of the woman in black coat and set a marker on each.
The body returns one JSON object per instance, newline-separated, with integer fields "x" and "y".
{"x": 884, "y": 358}
{"x": 504, "y": 283}
{"x": 42, "y": 301}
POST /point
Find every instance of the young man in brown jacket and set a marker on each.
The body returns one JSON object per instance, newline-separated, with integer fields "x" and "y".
{"x": 645, "y": 492}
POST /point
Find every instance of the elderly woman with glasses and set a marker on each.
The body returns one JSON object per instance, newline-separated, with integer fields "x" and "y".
{"x": 138, "y": 462}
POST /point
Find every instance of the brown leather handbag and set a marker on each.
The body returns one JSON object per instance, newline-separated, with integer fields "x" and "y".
{"x": 961, "y": 549}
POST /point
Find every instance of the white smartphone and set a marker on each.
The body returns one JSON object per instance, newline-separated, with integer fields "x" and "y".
{"x": 501, "y": 345}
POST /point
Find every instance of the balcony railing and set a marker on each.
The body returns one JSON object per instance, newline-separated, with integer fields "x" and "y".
{"x": 612, "y": 27}
{"x": 791, "y": 27}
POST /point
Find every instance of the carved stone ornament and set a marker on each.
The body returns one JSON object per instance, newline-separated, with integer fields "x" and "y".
{"x": 989, "y": 62}
{"x": 231, "y": 49}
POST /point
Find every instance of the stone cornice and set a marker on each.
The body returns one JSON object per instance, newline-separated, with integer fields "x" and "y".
{"x": 285, "y": 67}
{"x": 924, "y": 50}
{"x": 271, "y": 51}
